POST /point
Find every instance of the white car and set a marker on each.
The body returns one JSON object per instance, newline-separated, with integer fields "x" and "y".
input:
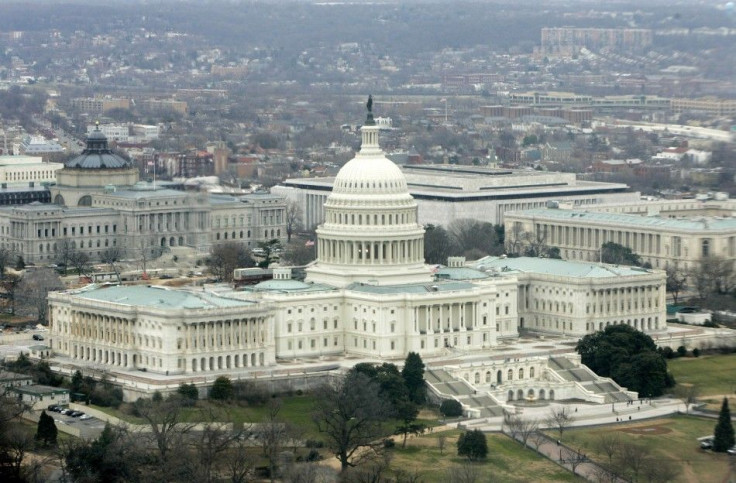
{"x": 84, "y": 417}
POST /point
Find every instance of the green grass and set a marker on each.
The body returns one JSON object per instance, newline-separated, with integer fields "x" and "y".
{"x": 678, "y": 446}
{"x": 507, "y": 460}
{"x": 713, "y": 374}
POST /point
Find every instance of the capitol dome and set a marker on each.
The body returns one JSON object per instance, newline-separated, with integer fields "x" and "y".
{"x": 370, "y": 233}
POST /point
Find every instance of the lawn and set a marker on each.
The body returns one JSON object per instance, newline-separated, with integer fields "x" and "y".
{"x": 713, "y": 374}
{"x": 507, "y": 460}
{"x": 672, "y": 441}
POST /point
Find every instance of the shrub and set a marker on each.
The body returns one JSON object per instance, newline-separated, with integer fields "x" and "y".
{"x": 473, "y": 445}
{"x": 451, "y": 408}
{"x": 681, "y": 351}
{"x": 668, "y": 353}
{"x": 313, "y": 455}
{"x": 222, "y": 389}
{"x": 314, "y": 443}
{"x": 696, "y": 352}
{"x": 389, "y": 443}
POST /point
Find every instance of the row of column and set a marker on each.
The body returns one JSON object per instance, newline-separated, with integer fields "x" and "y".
{"x": 371, "y": 252}
{"x": 580, "y": 237}
{"x": 431, "y": 319}
{"x": 615, "y": 301}
{"x": 244, "y": 333}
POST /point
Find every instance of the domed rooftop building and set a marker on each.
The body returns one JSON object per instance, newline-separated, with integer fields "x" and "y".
{"x": 370, "y": 233}
{"x": 91, "y": 172}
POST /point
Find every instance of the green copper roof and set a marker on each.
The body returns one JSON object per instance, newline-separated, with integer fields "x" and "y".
{"x": 562, "y": 268}
{"x": 695, "y": 225}
{"x": 159, "y": 297}
{"x": 418, "y": 288}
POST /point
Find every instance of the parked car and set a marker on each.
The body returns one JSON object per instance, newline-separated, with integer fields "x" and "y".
{"x": 75, "y": 414}
{"x": 84, "y": 417}
{"x": 37, "y": 337}
{"x": 65, "y": 411}
{"x": 54, "y": 408}
{"x": 731, "y": 450}
{"x": 706, "y": 444}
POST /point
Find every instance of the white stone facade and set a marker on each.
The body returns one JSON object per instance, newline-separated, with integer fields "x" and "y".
{"x": 141, "y": 219}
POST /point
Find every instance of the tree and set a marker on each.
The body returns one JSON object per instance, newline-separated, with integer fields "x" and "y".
{"x": 450, "y": 408}
{"x": 560, "y": 418}
{"x": 713, "y": 275}
{"x": 608, "y": 443}
{"x": 676, "y": 280}
{"x": 46, "y": 431}
{"x": 472, "y": 236}
{"x": 116, "y": 455}
{"x": 438, "y": 245}
{"x": 723, "y": 435}
{"x": 222, "y": 389}
{"x": 632, "y": 459}
{"x": 465, "y": 473}
{"x": 629, "y": 357}
{"x": 9, "y": 285}
{"x": 226, "y": 257}
{"x": 111, "y": 256}
{"x": 5, "y": 258}
{"x": 350, "y": 413}
{"x": 688, "y": 394}
{"x": 188, "y": 392}
{"x": 269, "y": 249}
{"x": 168, "y": 431}
{"x": 407, "y": 412}
{"x": 65, "y": 250}
{"x": 299, "y": 254}
{"x": 274, "y": 434}
{"x": 413, "y": 374}
{"x": 293, "y": 219}
{"x": 441, "y": 442}
{"x": 619, "y": 255}
{"x": 33, "y": 291}
{"x": 80, "y": 261}
{"x": 472, "y": 445}
{"x": 520, "y": 428}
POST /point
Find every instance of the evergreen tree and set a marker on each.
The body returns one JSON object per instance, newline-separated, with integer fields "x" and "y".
{"x": 473, "y": 445}
{"x": 413, "y": 374}
{"x": 47, "y": 432}
{"x": 77, "y": 381}
{"x": 723, "y": 435}
{"x": 222, "y": 389}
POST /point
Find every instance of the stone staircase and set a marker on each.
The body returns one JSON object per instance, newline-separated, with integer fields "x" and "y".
{"x": 446, "y": 386}
{"x": 587, "y": 379}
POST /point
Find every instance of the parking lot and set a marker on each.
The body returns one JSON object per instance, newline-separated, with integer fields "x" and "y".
{"x": 89, "y": 428}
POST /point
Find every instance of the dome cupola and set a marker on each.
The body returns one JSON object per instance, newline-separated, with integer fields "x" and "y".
{"x": 97, "y": 155}
{"x": 370, "y": 233}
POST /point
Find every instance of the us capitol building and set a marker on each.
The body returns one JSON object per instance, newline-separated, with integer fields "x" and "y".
{"x": 369, "y": 295}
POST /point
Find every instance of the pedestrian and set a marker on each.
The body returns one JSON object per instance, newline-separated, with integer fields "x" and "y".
{"x": 629, "y": 418}
{"x": 558, "y": 442}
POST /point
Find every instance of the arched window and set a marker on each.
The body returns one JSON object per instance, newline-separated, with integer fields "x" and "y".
{"x": 510, "y": 375}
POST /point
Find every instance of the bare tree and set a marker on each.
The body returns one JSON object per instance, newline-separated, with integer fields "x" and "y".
{"x": 65, "y": 250}
{"x": 168, "y": 430}
{"x": 81, "y": 262}
{"x": 240, "y": 464}
{"x": 274, "y": 434}
{"x": 520, "y": 428}
{"x": 111, "y": 256}
{"x": 608, "y": 443}
{"x": 226, "y": 257}
{"x": 574, "y": 458}
{"x": 663, "y": 472}
{"x": 213, "y": 442}
{"x": 9, "y": 285}
{"x": 632, "y": 459}
{"x": 676, "y": 280}
{"x": 560, "y": 418}
{"x": 33, "y": 290}
{"x": 688, "y": 394}
{"x": 293, "y": 219}
{"x": 5, "y": 259}
{"x": 441, "y": 442}
{"x": 350, "y": 413}
{"x": 465, "y": 473}
{"x": 536, "y": 440}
